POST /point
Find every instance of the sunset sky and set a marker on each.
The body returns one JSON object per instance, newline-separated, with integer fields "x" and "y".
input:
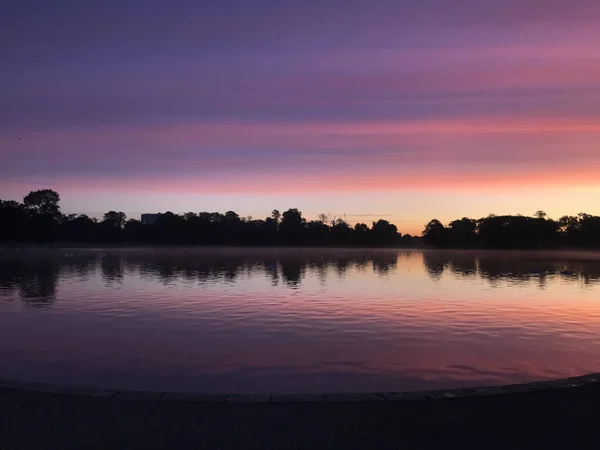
{"x": 402, "y": 109}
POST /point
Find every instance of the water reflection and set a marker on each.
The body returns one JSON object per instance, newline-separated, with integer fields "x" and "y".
{"x": 515, "y": 267}
{"x": 385, "y": 264}
{"x": 36, "y": 281}
{"x": 289, "y": 267}
{"x": 35, "y": 276}
{"x": 113, "y": 268}
{"x": 435, "y": 264}
{"x": 274, "y": 320}
{"x": 292, "y": 272}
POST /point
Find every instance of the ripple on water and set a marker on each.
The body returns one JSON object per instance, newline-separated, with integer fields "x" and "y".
{"x": 276, "y": 321}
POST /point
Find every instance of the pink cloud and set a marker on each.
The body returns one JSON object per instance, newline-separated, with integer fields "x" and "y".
{"x": 382, "y": 155}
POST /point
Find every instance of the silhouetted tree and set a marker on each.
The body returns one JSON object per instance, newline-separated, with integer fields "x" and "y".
{"x": 588, "y": 233}
{"x": 79, "y": 229}
{"x": 324, "y": 218}
{"x": 462, "y": 233}
{"x": 115, "y": 219}
{"x": 135, "y": 230}
{"x": 43, "y": 202}
{"x": 510, "y": 232}
{"x": 361, "y": 234}
{"x": 517, "y": 232}
{"x": 268, "y": 231}
{"x": 276, "y": 215}
{"x": 436, "y": 234}
{"x": 44, "y": 214}
{"x": 14, "y": 222}
{"x": 384, "y": 232}
{"x": 292, "y": 227}
{"x": 317, "y": 232}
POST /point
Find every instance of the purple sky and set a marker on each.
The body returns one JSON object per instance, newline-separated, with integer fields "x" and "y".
{"x": 405, "y": 109}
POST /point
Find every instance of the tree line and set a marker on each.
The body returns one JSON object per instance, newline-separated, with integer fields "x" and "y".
{"x": 516, "y": 232}
{"x": 38, "y": 220}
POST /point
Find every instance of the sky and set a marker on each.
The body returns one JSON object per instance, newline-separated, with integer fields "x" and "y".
{"x": 400, "y": 109}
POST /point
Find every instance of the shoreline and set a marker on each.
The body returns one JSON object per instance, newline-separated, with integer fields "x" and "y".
{"x": 359, "y": 397}
{"x": 554, "y": 417}
{"x": 227, "y": 247}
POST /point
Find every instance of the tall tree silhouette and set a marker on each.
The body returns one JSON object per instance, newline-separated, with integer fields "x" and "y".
{"x": 292, "y": 226}
{"x": 115, "y": 219}
{"x": 463, "y": 233}
{"x": 43, "y": 202}
{"x": 384, "y": 232}
{"x": 436, "y": 234}
{"x": 44, "y": 211}
{"x": 276, "y": 216}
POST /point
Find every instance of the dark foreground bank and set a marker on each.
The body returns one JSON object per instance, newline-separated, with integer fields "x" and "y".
{"x": 556, "y": 419}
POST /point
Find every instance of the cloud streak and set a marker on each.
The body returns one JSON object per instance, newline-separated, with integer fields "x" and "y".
{"x": 309, "y": 97}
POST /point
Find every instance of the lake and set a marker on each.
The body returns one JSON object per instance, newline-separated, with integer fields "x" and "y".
{"x": 289, "y": 320}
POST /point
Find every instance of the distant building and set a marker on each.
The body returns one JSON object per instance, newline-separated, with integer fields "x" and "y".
{"x": 149, "y": 219}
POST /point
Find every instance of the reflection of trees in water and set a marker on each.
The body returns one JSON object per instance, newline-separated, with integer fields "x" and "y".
{"x": 407, "y": 254}
{"x": 515, "y": 268}
{"x": 76, "y": 265}
{"x": 318, "y": 269}
{"x": 168, "y": 269}
{"x": 459, "y": 264}
{"x": 35, "y": 280}
{"x": 270, "y": 267}
{"x": 291, "y": 268}
{"x": 361, "y": 264}
{"x": 292, "y": 272}
{"x": 385, "y": 263}
{"x": 38, "y": 283}
{"x": 9, "y": 279}
{"x": 323, "y": 264}
{"x": 464, "y": 266}
{"x": 588, "y": 271}
{"x": 113, "y": 268}
{"x": 435, "y": 264}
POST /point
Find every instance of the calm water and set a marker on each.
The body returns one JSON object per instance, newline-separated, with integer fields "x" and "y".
{"x": 296, "y": 321}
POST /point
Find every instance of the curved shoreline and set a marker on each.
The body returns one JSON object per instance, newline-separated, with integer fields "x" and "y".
{"x": 163, "y": 396}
